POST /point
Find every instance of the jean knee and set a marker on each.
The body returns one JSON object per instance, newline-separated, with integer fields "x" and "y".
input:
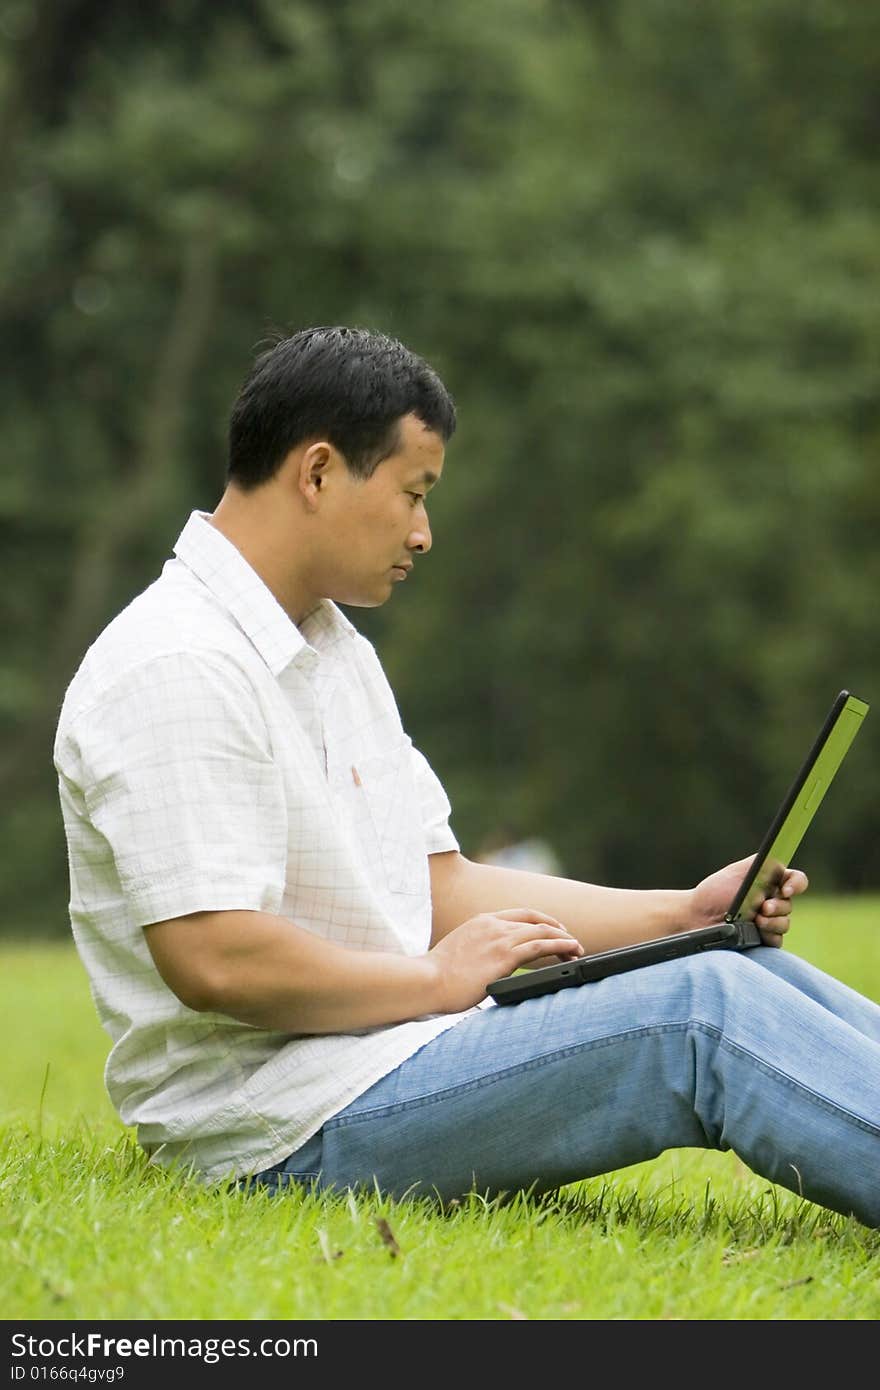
{"x": 716, "y": 978}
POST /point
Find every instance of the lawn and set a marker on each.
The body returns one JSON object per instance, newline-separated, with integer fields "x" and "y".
{"x": 88, "y": 1230}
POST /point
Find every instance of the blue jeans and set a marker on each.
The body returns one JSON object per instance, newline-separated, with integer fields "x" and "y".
{"x": 758, "y": 1052}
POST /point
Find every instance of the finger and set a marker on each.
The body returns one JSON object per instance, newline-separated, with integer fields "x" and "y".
{"x": 794, "y": 881}
{"x": 766, "y": 921}
{"x": 524, "y": 933}
{"x": 531, "y": 950}
{"x": 529, "y": 914}
{"x": 775, "y": 907}
{"x": 771, "y": 938}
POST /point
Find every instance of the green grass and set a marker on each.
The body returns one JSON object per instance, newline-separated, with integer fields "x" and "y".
{"x": 88, "y": 1230}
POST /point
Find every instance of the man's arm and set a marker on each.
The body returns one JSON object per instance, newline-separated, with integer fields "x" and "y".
{"x": 263, "y": 970}
{"x": 599, "y": 917}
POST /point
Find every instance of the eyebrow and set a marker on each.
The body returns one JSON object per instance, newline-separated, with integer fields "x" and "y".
{"x": 428, "y": 477}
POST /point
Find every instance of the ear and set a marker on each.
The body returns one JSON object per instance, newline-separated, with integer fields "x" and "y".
{"x": 311, "y": 477}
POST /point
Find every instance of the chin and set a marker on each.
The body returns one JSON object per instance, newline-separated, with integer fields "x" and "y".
{"x": 363, "y": 592}
{"x": 361, "y": 600}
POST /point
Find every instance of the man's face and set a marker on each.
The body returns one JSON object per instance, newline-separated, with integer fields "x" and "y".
{"x": 375, "y": 527}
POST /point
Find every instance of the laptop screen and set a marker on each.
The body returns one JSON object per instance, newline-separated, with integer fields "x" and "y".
{"x": 800, "y": 805}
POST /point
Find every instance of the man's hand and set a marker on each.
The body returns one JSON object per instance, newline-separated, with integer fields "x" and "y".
{"x": 712, "y": 897}
{"x": 493, "y": 944}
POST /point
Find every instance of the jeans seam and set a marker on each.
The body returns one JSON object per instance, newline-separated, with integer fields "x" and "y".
{"x": 478, "y": 1083}
{"x": 815, "y": 1096}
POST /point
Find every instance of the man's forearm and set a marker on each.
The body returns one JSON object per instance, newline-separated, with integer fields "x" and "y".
{"x": 599, "y": 917}
{"x": 263, "y": 970}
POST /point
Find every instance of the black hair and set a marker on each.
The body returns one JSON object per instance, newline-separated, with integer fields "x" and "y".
{"x": 350, "y": 386}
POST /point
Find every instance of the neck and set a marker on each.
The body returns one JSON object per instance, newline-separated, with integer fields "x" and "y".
{"x": 257, "y": 525}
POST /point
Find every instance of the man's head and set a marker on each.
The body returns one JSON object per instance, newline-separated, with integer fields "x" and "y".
{"x": 335, "y": 439}
{"x": 349, "y": 386}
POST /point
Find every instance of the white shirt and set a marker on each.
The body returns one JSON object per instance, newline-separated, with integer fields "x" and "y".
{"x": 212, "y": 755}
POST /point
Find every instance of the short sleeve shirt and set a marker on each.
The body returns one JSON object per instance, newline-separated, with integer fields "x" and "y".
{"x": 212, "y": 755}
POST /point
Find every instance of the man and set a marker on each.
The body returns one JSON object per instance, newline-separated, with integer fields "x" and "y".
{"x": 283, "y": 939}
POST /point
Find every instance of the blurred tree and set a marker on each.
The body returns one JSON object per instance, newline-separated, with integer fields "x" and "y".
{"x": 685, "y": 327}
{"x": 638, "y": 241}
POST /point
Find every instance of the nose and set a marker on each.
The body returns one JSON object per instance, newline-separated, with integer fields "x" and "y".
{"x": 419, "y": 538}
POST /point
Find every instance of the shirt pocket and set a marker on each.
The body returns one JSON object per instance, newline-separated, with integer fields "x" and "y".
{"x": 387, "y": 784}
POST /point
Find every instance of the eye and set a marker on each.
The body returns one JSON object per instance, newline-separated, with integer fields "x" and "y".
{"x": 417, "y": 497}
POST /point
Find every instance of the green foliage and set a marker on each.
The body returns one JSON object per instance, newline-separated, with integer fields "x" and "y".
{"x": 639, "y": 243}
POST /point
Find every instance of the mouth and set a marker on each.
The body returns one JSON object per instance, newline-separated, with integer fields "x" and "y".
{"x": 402, "y": 570}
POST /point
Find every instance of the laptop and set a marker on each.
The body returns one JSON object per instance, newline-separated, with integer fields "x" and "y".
{"x": 737, "y": 930}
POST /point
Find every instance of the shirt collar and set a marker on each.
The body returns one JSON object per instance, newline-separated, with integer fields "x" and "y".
{"x": 222, "y": 568}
